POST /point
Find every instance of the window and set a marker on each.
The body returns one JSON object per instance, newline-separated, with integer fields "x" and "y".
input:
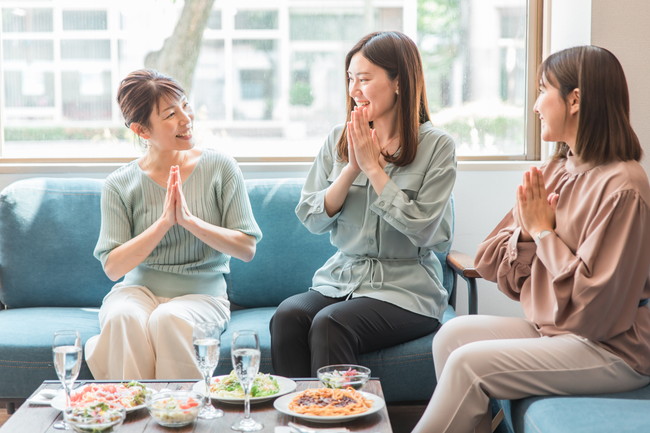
{"x": 268, "y": 81}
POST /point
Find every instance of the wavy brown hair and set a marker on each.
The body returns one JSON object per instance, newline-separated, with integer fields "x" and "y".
{"x": 604, "y": 130}
{"x": 398, "y": 55}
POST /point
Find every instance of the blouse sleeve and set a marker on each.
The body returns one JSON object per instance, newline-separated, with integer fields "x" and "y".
{"x": 237, "y": 211}
{"x": 116, "y": 227}
{"x": 427, "y": 219}
{"x": 503, "y": 259}
{"x": 311, "y": 207}
{"x": 607, "y": 274}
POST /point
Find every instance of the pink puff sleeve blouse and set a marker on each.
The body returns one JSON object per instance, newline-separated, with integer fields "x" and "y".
{"x": 591, "y": 276}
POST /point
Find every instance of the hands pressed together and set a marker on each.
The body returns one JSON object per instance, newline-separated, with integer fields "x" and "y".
{"x": 175, "y": 210}
{"x": 535, "y": 208}
{"x": 364, "y": 152}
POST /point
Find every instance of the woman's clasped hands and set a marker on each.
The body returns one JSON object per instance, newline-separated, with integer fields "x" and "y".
{"x": 364, "y": 152}
{"x": 175, "y": 209}
{"x": 536, "y": 207}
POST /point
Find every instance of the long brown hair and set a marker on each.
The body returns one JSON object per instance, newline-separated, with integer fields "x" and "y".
{"x": 398, "y": 55}
{"x": 604, "y": 130}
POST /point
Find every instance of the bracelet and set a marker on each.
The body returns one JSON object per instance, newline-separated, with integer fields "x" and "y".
{"x": 539, "y": 236}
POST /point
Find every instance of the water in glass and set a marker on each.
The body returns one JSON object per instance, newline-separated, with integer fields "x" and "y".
{"x": 245, "y": 352}
{"x": 66, "y": 351}
{"x": 205, "y": 337}
{"x": 207, "y": 353}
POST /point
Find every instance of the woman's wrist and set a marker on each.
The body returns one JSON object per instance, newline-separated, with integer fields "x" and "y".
{"x": 374, "y": 171}
{"x": 190, "y": 223}
{"x": 163, "y": 224}
{"x": 351, "y": 171}
{"x": 524, "y": 236}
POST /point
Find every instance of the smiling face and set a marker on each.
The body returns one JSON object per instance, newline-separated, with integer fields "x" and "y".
{"x": 558, "y": 115}
{"x": 171, "y": 124}
{"x": 370, "y": 86}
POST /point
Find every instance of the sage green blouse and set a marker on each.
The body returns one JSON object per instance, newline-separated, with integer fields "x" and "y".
{"x": 386, "y": 243}
{"x": 181, "y": 264}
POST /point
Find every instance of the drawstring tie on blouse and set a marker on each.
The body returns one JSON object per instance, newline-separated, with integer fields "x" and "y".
{"x": 375, "y": 269}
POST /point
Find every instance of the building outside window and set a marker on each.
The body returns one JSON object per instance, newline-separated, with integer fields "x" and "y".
{"x": 269, "y": 80}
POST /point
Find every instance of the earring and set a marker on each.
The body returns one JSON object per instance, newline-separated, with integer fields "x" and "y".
{"x": 397, "y": 91}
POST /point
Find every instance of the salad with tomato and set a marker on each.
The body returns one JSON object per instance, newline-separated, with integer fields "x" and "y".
{"x": 343, "y": 378}
{"x": 174, "y": 410}
{"x": 115, "y": 395}
{"x": 94, "y": 418}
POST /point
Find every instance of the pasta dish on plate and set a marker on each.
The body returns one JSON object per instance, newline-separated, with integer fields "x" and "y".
{"x": 330, "y": 402}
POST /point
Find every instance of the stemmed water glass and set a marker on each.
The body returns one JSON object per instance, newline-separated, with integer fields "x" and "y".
{"x": 66, "y": 350}
{"x": 245, "y": 353}
{"x": 205, "y": 337}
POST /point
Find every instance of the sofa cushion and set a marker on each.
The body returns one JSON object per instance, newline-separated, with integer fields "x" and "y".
{"x": 288, "y": 255}
{"x": 60, "y": 219}
{"x": 26, "y": 342}
{"x": 602, "y": 413}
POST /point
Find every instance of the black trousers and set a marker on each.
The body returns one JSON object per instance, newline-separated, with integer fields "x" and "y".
{"x": 310, "y": 330}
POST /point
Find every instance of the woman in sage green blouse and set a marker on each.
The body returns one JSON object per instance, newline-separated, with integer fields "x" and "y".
{"x": 171, "y": 220}
{"x": 381, "y": 187}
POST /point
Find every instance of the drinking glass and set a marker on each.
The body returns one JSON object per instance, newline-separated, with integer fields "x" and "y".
{"x": 205, "y": 337}
{"x": 245, "y": 353}
{"x": 66, "y": 349}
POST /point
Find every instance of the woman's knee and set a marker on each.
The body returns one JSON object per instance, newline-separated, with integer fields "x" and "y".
{"x": 126, "y": 317}
{"x": 163, "y": 315}
{"x": 451, "y": 335}
{"x": 328, "y": 327}
{"x": 290, "y": 315}
{"x": 164, "y": 322}
{"x": 474, "y": 361}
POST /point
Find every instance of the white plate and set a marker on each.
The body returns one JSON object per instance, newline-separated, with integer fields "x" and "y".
{"x": 282, "y": 405}
{"x": 58, "y": 403}
{"x": 286, "y": 386}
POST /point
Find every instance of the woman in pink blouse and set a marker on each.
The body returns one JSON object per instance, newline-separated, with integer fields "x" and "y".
{"x": 574, "y": 250}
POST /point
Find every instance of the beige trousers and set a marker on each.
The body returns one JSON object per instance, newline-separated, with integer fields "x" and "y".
{"x": 148, "y": 337}
{"x": 479, "y": 357}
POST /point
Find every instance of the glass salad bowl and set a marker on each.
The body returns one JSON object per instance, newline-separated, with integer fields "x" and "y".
{"x": 175, "y": 408}
{"x": 343, "y": 375}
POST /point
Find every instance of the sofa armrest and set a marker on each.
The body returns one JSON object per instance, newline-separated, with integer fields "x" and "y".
{"x": 463, "y": 265}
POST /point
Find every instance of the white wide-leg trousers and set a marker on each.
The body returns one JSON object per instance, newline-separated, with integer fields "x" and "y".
{"x": 148, "y": 337}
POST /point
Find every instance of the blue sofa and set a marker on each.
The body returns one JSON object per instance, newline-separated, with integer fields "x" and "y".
{"x": 50, "y": 280}
{"x": 624, "y": 412}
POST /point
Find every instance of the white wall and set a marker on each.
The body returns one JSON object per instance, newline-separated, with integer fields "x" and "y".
{"x": 570, "y": 23}
{"x": 623, "y": 27}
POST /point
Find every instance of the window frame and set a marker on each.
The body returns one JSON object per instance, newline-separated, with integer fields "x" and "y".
{"x": 537, "y": 26}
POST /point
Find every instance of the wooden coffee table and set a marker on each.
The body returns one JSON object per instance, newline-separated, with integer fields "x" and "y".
{"x": 39, "y": 419}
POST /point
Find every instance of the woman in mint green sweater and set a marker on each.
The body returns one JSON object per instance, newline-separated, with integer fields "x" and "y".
{"x": 171, "y": 220}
